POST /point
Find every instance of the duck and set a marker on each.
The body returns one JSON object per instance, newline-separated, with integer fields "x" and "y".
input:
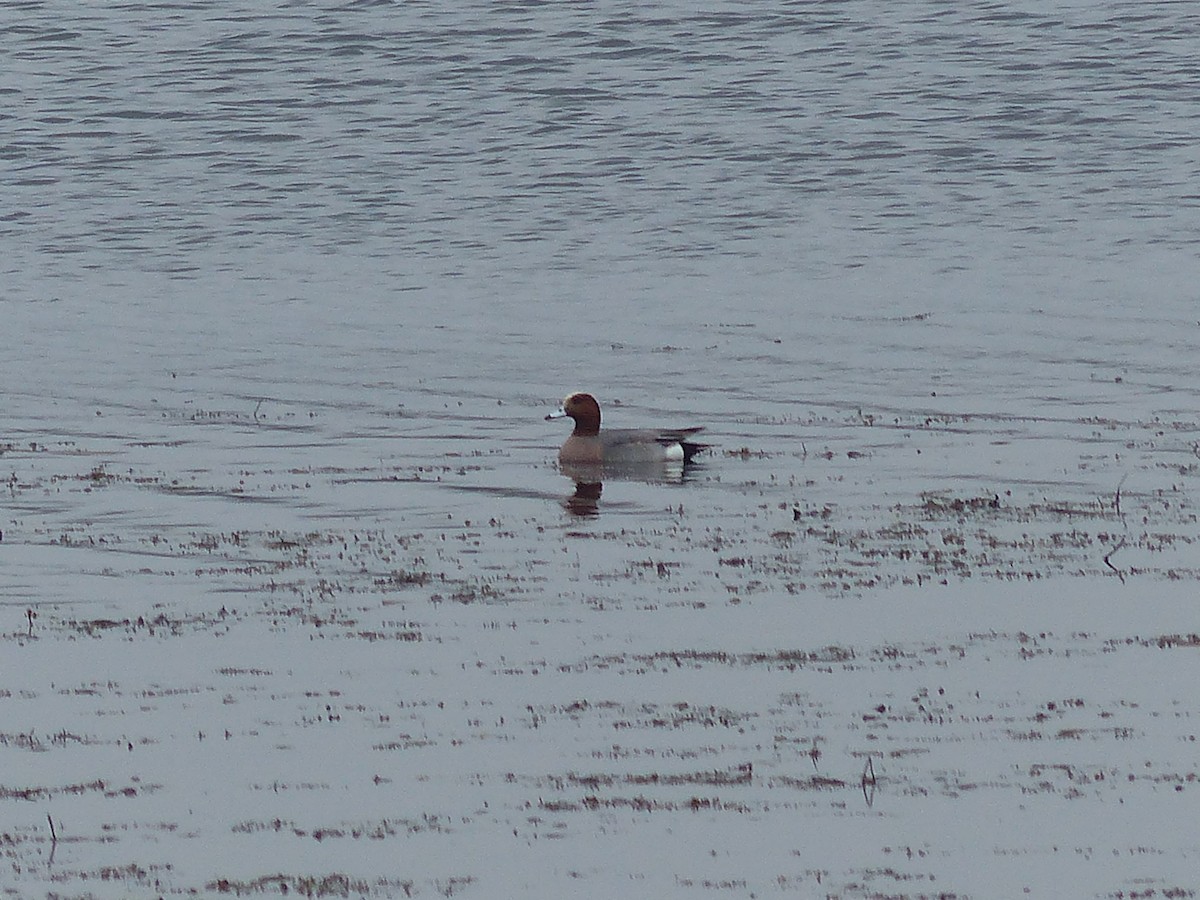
{"x": 587, "y": 445}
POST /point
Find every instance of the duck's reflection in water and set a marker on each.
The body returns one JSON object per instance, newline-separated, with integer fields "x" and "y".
{"x": 589, "y": 482}
{"x": 586, "y": 499}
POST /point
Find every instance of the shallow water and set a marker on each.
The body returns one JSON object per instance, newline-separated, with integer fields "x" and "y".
{"x": 296, "y": 599}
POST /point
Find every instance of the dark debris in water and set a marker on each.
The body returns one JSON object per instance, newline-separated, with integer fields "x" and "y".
{"x": 537, "y": 677}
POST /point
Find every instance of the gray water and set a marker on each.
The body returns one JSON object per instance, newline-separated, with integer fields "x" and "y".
{"x": 405, "y": 199}
{"x": 285, "y": 291}
{"x": 511, "y": 141}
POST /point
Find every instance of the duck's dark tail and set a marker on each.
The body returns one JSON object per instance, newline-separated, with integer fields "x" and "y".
{"x": 691, "y": 448}
{"x": 683, "y": 437}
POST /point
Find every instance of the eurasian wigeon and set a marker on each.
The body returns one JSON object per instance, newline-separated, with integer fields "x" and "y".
{"x": 589, "y": 446}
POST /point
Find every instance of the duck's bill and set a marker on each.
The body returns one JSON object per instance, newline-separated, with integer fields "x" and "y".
{"x": 559, "y": 413}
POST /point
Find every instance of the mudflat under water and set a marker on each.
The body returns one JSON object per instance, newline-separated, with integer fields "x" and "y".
{"x": 296, "y": 600}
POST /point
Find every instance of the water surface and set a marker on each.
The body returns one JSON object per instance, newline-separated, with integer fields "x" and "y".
{"x": 286, "y": 292}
